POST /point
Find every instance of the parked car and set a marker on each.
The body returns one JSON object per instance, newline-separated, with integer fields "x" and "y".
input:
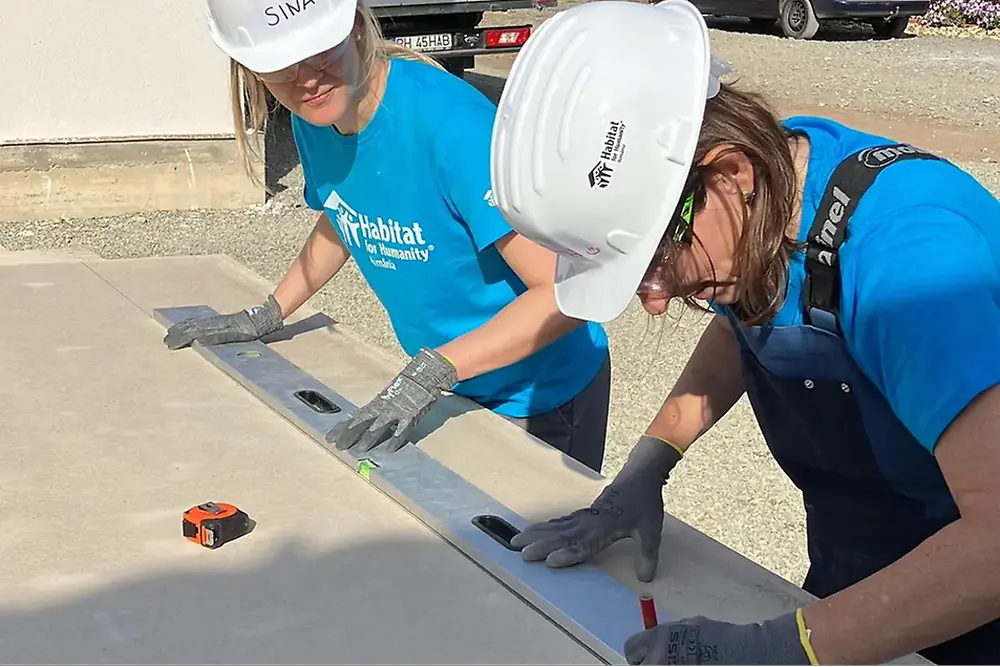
{"x": 800, "y": 19}
{"x": 447, "y": 30}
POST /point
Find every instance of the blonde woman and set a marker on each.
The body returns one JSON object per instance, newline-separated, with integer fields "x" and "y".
{"x": 395, "y": 154}
{"x": 855, "y": 284}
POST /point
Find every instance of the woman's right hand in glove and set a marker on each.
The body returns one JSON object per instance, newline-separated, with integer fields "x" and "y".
{"x": 244, "y": 326}
{"x": 631, "y": 506}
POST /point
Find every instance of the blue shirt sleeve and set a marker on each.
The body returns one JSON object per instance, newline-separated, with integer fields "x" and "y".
{"x": 462, "y": 150}
{"x": 925, "y": 316}
{"x": 301, "y": 137}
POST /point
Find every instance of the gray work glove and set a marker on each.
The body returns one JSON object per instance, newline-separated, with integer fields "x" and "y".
{"x": 702, "y": 641}
{"x": 631, "y": 506}
{"x": 246, "y": 325}
{"x": 389, "y": 417}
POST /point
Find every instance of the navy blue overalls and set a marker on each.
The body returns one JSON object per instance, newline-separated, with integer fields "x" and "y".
{"x": 872, "y": 493}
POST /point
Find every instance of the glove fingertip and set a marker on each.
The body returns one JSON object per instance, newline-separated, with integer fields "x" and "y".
{"x": 345, "y": 434}
{"x": 535, "y": 551}
{"x": 567, "y": 556}
{"x": 637, "y": 647}
{"x": 367, "y": 444}
{"x": 395, "y": 443}
{"x": 372, "y": 436}
{"x": 519, "y": 540}
{"x": 334, "y": 433}
{"x": 645, "y": 570}
{"x": 400, "y": 436}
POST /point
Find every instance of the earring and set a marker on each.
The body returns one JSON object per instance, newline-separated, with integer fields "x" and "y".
{"x": 748, "y": 197}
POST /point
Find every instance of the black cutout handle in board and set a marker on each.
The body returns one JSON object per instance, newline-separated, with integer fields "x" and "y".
{"x": 317, "y": 401}
{"x": 498, "y": 528}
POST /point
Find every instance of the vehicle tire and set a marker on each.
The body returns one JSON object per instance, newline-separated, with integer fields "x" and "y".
{"x": 798, "y": 19}
{"x": 891, "y": 28}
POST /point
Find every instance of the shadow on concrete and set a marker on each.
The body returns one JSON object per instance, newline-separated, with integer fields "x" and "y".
{"x": 448, "y": 407}
{"x": 829, "y": 31}
{"x": 290, "y": 331}
{"x": 387, "y": 602}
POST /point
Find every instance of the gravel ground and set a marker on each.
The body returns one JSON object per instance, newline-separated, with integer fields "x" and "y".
{"x": 727, "y": 486}
{"x": 845, "y": 67}
{"x": 915, "y": 76}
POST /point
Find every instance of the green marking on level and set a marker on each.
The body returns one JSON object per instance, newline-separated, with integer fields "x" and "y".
{"x": 365, "y": 467}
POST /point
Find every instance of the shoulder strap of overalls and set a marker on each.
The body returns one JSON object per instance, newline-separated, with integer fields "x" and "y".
{"x": 852, "y": 178}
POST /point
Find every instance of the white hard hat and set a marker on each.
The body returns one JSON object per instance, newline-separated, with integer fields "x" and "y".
{"x": 594, "y": 138}
{"x": 266, "y": 36}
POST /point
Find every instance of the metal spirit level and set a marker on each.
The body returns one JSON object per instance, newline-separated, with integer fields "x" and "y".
{"x": 590, "y": 605}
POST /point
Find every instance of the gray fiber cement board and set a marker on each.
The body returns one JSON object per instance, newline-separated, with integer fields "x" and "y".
{"x": 96, "y": 570}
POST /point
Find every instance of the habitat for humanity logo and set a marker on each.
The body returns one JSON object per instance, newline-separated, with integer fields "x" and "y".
{"x": 612, "y": 152}
{"x": 385, "y": 240}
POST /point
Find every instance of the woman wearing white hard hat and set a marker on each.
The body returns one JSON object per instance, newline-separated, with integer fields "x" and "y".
{"x": 395, "y": 155}
{"x": 855, "y": 285}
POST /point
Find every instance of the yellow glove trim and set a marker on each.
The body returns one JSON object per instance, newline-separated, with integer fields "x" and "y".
{"x": 804, "y": 637}
{"x": 666, "y": 442}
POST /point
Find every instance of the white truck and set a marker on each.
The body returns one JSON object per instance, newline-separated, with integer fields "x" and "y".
{"x": 449, "y": 31}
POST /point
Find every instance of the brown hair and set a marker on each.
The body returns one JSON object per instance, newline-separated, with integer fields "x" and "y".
{"x": 745, "y": 123}
{"x": 249, "y": 96}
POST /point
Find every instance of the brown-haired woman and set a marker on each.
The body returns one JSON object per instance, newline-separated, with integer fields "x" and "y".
{"x": 855, "y": 285}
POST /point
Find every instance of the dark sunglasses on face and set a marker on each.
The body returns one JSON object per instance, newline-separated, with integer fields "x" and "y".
{"x": 679, "y": 233}
{"x": 680, "y": 228}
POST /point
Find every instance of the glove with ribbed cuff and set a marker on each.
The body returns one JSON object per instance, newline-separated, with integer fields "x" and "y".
{"x": 702, "y": 641}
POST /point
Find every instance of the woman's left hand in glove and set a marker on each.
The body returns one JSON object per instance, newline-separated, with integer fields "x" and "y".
{"x": 702, "y": 641}
{"x": 389, "y": 417}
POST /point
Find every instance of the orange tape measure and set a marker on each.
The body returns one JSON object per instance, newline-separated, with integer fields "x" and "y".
{"x": 213, "y": 524}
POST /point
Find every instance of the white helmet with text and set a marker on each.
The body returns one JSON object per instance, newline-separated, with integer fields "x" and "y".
{"x": 594, "y": 138}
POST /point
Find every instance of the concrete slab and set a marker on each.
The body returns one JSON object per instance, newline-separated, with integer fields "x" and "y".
{"x": 110, "y": 436}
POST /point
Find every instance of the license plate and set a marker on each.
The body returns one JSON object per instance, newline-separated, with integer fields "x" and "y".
{"x": 438, "y": 42}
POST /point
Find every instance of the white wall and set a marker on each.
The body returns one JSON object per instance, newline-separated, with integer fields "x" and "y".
{"x": 87, "y": 69}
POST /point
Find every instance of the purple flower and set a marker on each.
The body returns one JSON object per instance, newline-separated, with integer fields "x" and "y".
{"x": 982, "y": 13}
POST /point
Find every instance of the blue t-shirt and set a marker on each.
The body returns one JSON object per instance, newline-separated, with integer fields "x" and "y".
{"x": 410, "y": 196}
{"x": 920, "y": 270}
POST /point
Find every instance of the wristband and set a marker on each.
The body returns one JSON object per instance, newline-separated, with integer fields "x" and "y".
{"x": 805, "y": 636}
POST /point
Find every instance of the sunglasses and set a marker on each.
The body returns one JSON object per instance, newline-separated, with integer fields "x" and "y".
{"x": 680, "y": 228}
{"x": 318, "y": 63}
{"x": 678, "y": 234}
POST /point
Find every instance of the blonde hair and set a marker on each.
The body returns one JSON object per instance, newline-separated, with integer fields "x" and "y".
{"x": 249, "y": 96}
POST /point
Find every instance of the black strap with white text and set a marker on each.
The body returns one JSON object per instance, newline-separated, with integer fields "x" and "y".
{"x": 849, "y": 182}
